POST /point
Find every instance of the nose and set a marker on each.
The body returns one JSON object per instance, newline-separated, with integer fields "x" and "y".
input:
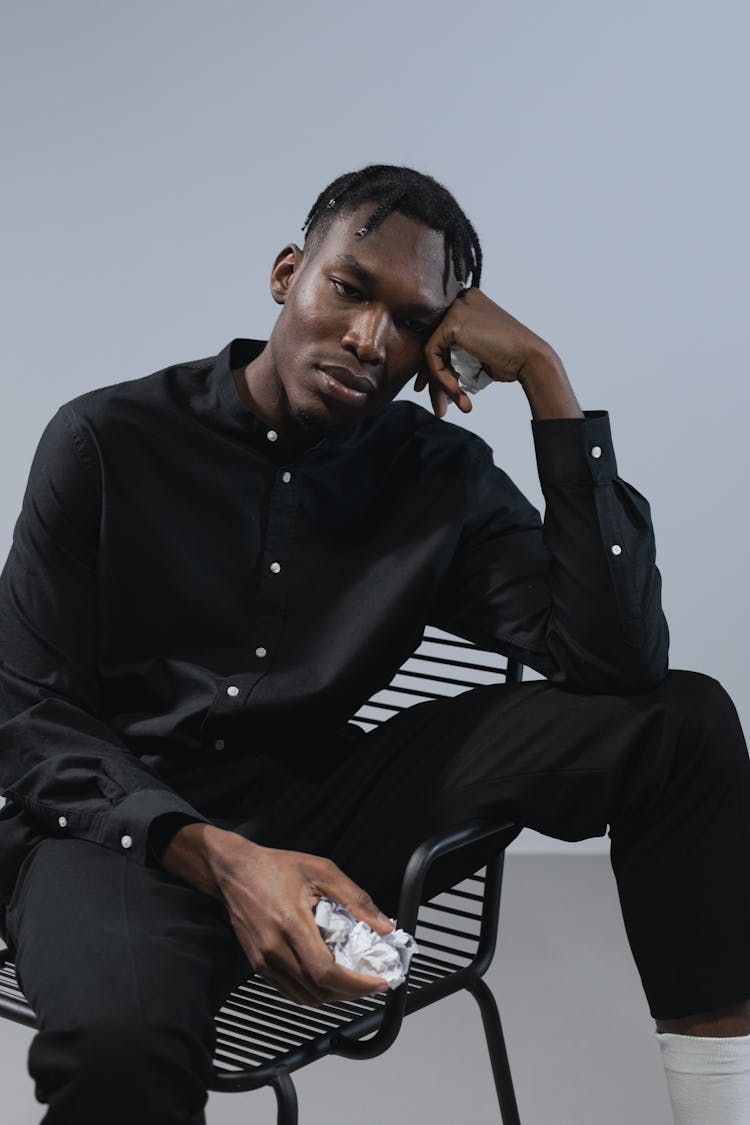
{"x": 367, "y": 334}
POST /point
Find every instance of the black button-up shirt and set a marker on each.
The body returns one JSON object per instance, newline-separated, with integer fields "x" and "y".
{"x": 183, "y": 591}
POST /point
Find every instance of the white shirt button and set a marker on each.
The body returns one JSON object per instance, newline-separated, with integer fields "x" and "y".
{"x": 260, "y": 651}
{"x": 275, "y": 567}
{"x": 272, "y": 435}
{"x": 286, "y": 477}
{"x": 596, "y": 452}
{"x": 232, "y": 690}
{"x": 62, "y": 821}
{"x": 219, "y": 744}
{"x": 127, "y": 841}
{"x": 616, "y": 549}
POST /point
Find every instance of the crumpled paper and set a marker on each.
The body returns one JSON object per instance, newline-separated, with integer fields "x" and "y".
{"x": 471, "y": 375}
{"x": 355, "y": 945}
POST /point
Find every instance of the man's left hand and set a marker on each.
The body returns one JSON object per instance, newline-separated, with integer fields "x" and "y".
{"x": 508, "y": 351}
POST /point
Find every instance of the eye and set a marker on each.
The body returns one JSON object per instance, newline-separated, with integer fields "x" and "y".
{"x": 417, "y": 327}
{"x": 345, "y": 290}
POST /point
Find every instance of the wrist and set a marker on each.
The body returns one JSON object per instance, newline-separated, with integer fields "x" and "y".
{"x": 541, "y": 362}
{"x": 201, "y": 855}
{"x": 546, "y": 385}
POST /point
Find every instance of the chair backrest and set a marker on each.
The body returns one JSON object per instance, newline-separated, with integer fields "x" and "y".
{"x": 443, "y": 665}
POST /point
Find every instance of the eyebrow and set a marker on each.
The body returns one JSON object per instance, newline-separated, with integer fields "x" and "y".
{"x": 429, "y": 312}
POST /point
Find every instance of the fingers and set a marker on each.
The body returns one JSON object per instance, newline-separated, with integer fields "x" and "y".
{"x": 353, "y": 985}
{"x": 336, "y": 885}
{"x": 321, "y": 981}
{"x": 443, "y": 384}
{"x": 309, "y": 967}
{"x": 439, "y": 399}
{"x": 302, "y": 968}
{"x": 336, "y": 991}
{"x": 289, "y": 987}
{"x": 271, "y": 909}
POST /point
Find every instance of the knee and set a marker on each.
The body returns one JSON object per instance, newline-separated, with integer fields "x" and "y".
{"x": 705, "y": 718}
{"x": 696, "y": 697}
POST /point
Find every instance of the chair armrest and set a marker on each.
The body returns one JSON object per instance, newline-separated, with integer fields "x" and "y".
{"x": 410, "y": 899}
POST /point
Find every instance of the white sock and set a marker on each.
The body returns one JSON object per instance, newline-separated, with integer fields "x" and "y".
{"x": 708, "y": 1078}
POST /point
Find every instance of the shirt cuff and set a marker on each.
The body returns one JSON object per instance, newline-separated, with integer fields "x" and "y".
{"x": 161, "y": 831}
{"x": 575, "y": 450}
{"x": 125, "y": 826}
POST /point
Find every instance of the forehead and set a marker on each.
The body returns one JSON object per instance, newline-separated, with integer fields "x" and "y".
{"x": 400, "y": 252}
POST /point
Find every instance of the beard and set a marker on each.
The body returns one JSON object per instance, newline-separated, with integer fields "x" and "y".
{"x": 315, "y": 420}
{"x": 312, "y": 425}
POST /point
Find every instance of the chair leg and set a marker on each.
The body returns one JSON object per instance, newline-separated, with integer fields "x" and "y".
{"x": 286, "y": 1100}
{"x": 493, "y": 1030}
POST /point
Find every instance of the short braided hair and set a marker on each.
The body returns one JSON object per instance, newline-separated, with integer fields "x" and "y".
{"x": 395, "y": 188}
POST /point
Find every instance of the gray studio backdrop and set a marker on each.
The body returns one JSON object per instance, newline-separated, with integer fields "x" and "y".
{"x": 158, "y": 153}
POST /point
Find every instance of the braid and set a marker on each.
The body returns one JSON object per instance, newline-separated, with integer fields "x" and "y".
{"x": 395, "y": 188}
{"x": 331, "y": 195}
{"x": 386, "y": 207}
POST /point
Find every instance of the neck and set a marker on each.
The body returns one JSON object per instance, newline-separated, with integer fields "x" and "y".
{"x": 263, "y": 394}
{"x": 255, "y": 383}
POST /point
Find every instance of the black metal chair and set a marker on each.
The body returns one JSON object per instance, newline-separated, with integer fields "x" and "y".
{"x": 261, "y": 1038}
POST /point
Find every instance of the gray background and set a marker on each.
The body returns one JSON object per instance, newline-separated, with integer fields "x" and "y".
{"x": 158, "y": 154}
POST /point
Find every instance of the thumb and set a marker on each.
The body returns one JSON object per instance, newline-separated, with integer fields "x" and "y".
{"x": 357, "y": 901}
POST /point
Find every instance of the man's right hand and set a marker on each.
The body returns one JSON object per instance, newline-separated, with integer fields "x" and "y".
{"x": 270, "y": 896}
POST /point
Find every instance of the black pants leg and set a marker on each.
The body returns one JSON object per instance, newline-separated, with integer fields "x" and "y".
{"x": 125, "y": 967}
{"x": 667, "y": 771}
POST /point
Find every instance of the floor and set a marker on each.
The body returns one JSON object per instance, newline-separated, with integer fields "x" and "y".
{"x": 580, "y": 1038}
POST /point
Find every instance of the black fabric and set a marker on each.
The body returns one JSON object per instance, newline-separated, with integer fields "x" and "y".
{"x": 125, "y": 966}
{"x": 146, "y": 960}
{"x": 168, "y": 550}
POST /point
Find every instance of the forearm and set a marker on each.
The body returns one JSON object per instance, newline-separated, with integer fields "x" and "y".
{"x": 556, "y": 596}
{"x": 604, "y": 586}
{"x": 72, "y": 776}
{"x": 547, "y": 387}
{"x": 606, "y": 624}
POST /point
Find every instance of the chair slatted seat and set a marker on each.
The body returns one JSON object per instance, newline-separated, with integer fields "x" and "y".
{"x": 262, "y": 1038}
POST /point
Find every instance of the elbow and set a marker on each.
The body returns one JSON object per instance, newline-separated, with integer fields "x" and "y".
{"x": 635, "y": 665}
{"x": 597, "y": 680}
{"x": 646, "y": 662}
{"x": 641, "y": 678}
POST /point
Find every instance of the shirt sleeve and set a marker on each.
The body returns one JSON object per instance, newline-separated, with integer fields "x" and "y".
{"x": 578, "y": 596}
{"x": 59, "y": 759}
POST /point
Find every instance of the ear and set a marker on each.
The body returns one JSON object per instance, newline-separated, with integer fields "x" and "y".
{"x": 286, "y": 266}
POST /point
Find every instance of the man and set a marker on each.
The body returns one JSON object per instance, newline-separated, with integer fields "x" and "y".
{"x": 217, "y": 564}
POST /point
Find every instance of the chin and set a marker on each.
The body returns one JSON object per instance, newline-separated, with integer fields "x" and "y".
{"x": 313, "y": 423}
{"x": 318, "y": 424}
{"x": 317, "y": 420}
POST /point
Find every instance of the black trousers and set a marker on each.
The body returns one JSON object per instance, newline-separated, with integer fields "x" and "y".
{"x": 126, "y": 965}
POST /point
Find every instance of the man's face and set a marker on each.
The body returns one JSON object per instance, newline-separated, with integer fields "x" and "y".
{"x": 356, "y": 315}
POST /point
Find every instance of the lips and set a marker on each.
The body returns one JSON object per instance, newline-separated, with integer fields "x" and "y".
{"x": 349, "y": 378}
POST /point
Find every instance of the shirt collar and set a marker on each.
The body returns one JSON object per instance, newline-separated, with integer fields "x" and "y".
{"x": 226, "y": 406}
{"x": 237, "y": 353}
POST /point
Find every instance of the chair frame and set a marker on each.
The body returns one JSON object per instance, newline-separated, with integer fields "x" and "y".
{"x": 262, "y": 1037}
